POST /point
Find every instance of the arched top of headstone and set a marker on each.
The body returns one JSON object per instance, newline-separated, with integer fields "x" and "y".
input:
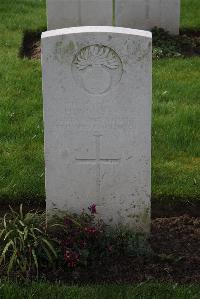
{"x": 97, "y": 29}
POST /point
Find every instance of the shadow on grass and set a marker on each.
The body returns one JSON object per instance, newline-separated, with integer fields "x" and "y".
{"x": 30, "y": 46}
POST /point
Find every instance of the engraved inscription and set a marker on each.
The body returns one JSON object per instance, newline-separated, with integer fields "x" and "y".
{"x": 97, "y": 161}
{"x": 120, "y": 123}
{"x": 97, "y": 69}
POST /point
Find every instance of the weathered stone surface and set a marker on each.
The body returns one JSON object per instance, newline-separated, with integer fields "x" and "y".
{"x": 97, "y": 113}
{"x": 146, "y": 14}
{"x": 70, "y": 13}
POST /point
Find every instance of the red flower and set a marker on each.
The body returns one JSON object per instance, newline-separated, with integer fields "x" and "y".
{"x": 67, "y": 255}
{"x": 110, "y": 248}
{"x": 92, "y": 209}
{"x": 72, "y": 258}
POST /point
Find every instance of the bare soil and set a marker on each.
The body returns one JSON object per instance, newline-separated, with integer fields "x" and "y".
{"x": 176, "y": 258}
{"x": 175, "y": 244}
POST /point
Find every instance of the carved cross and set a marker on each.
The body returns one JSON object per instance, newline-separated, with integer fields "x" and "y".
{"x": 97, "y": 161}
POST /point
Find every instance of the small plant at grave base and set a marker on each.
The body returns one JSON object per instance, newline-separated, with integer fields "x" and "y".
{"x": 24, "y": 244}
{"x": 28, "y": 246}
{"x": 81, "y": 238}
{"x": 86, "y": 241}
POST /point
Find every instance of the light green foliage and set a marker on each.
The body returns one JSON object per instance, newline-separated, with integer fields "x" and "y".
{"x": 24, "y": 243}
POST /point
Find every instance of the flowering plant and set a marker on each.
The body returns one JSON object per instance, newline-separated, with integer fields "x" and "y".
{"x": 28, "y": 246}
{"x": 86, "y": 240}
{"x": 82, "y": 239}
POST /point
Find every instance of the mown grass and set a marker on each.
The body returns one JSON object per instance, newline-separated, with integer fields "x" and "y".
{"x": 176, "y": 128}
{"x": 141, "y": 291}
{"x": 21, "y": 129}
{"x": 190, "y": 12}
{"x": 176, "y": 110}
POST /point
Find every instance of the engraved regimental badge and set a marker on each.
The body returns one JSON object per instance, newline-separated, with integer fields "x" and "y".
{"x": 97, "y": 69}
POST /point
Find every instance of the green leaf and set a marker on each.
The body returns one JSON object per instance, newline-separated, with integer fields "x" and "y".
{"x": 13, "y": 212}
{"x": 38, "y": 230}
{"x": 50, "y": 246}
{"x": 48, "y": 254}
{"x": 22, "y": 223}
{"x": 20, "y": 232}
{"x": 8, "y": 233}
{"x": 10, "y": 265}
{"x": 33, "y": 234}
{"x": 4, "y": 221}
{"x": 25, "y": 233}
{"x": 2, "y": 232}
{"x": 5, "y": 250}
{"x": 21, "y": 211}
{"x": 35, "y": 260}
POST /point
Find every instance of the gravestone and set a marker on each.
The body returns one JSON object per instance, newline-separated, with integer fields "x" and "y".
{"x": 146, "y": 14}
{"x": 97, "y": 114}
{"x": 70, "y": 13}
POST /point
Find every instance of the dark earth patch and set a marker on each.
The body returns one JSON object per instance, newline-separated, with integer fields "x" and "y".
{"x": 30, "y": 47}
{"x": 186, "y": 44}
{"x": 176, "y": 258}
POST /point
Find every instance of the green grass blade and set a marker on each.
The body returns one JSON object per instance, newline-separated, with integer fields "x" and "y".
{"x": 50, "y": 246}
{"x": 2, "y": 232}
{"x": 4, "y": 221}
{"x": 5, "y": 250}
{"x": 48, "y": 254}
{"x": 35, "y": 260}
{"x": 8, "y": 233}
{"x": 12, "y": 259}
{"x": 21, "y": 211}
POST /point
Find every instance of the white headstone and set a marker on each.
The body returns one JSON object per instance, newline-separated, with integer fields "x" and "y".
{"x": 146, "y": 14}
{"x": 70, "y": 13}
{"x": 97, "y": 113}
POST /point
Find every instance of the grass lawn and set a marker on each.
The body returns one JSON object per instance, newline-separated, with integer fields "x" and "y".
{"x": 142, "y": 291}
{"x": 176, "y": 111}
{"x": 190, "y": 12}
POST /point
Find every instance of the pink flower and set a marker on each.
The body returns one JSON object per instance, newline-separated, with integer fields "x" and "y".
{"x": 92, "y": 209}
{"x": 110, "y": 248}
{"x": 67, "y": 255}
{"x": 72, "y": 258}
